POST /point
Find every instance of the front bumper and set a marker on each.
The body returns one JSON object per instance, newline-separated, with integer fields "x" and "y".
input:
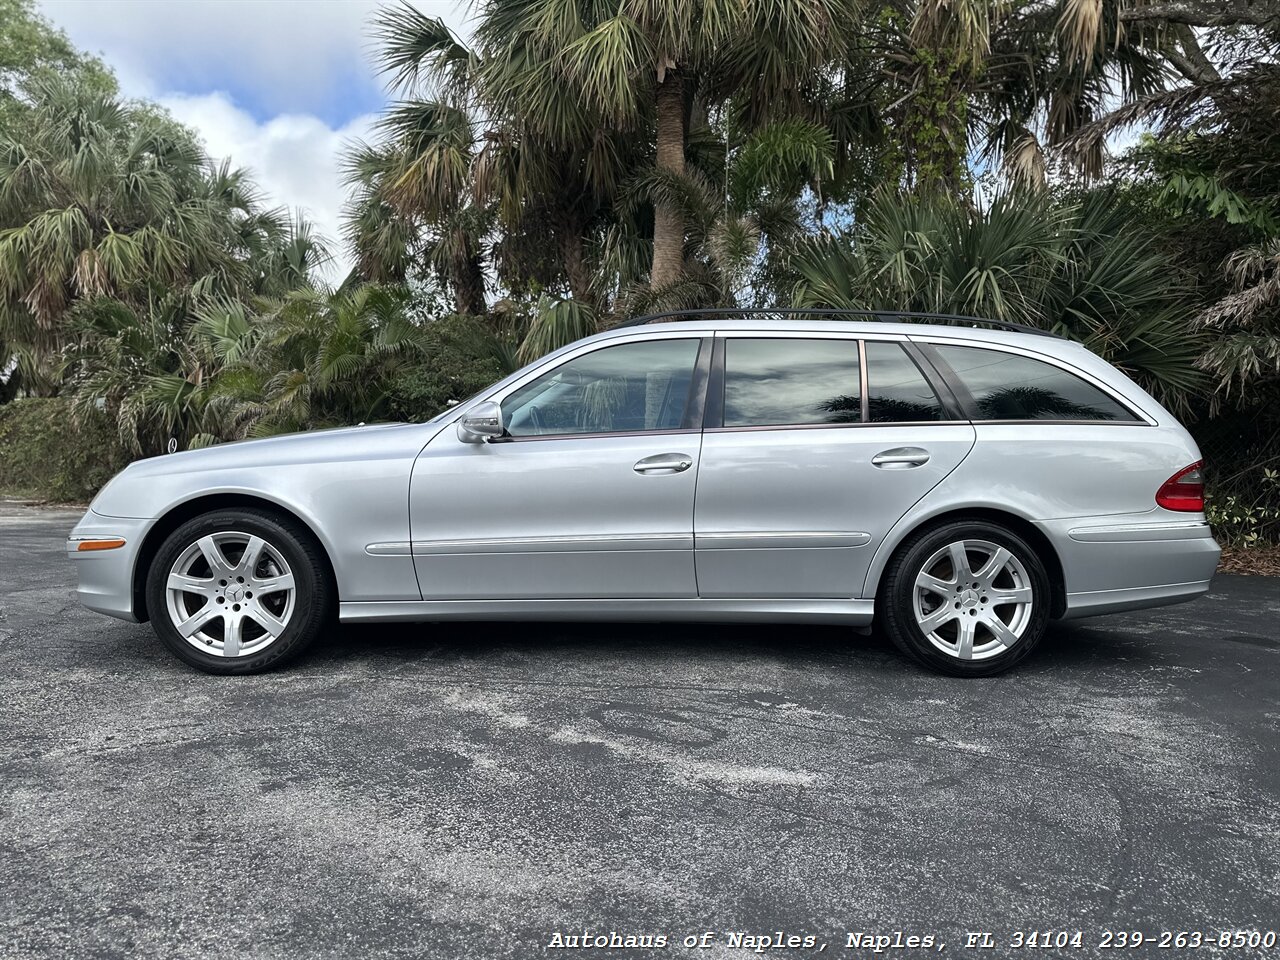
{"x": 106, "y": 576}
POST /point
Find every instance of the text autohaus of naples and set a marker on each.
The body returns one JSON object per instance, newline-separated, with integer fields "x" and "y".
{"x": 740, "y": 940}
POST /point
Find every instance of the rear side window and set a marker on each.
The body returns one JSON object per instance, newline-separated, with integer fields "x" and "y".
{"x": 897, "y": 391}
{"x": 775, "y": 382}
{"x": 1006, "y": 386}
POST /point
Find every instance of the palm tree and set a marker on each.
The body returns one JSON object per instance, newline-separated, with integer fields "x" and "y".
{"x": 584, "y": 105}
{"x": 107, "y": 199}
{"x": 142, "y": 368}
{"x": 643, "y": 68}
{"x": 1009, "y": 82}
{"x": 312, "y": 359}
{"x": 1074, "y": 267}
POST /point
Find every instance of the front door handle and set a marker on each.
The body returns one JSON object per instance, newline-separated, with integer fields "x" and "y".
{"x": 900, "y": 458}
{"x": 671, "y": 462}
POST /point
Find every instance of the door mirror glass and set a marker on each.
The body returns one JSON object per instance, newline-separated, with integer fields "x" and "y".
{"x": 482, "y": 422}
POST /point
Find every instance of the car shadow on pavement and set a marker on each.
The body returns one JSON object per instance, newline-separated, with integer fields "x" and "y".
{"x": 1067, "y": 645}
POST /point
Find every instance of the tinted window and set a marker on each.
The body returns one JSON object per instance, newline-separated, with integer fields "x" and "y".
{"x": 769, "y": 382}
{"x": 897, "y": 391}
{"x": 1009, "y": 387}
{"x": 633, "y": 386}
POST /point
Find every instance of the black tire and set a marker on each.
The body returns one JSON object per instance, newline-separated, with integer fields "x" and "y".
{"x": 313, "y": 604}
{"x": 896, "y": 602}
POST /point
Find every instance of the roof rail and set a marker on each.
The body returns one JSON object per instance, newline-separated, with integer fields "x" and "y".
{"x": 837, "y": 314}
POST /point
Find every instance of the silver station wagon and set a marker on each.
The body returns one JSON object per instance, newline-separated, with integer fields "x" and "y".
{"x": 961, "y": 482}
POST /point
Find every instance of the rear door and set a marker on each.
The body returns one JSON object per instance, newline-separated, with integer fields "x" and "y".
{"x": 814, "y": 446}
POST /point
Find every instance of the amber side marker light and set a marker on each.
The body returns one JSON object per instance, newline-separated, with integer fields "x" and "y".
{"x": 110, "y": 543}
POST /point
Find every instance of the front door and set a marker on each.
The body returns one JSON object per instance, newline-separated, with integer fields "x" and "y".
{"x": 590, "y": 496}
{"x": 815, "y": 447}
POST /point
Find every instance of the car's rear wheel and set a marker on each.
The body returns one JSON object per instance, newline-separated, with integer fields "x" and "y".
{"x": 968, "y": 598}
{"x": 238, "y": 591}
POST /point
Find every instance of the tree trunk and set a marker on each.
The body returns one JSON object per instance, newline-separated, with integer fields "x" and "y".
{"x": 575, "y": 263}
{"x": 468, "y": 283}
{"x": 668, "y": 219}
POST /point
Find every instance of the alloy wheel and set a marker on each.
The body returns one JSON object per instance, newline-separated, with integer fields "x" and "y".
{"x": 230, "y": 594}
{"x": 973, "y": 599}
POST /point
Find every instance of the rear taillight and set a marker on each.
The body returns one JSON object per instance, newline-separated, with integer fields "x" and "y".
{"x": 1184, "y": 490}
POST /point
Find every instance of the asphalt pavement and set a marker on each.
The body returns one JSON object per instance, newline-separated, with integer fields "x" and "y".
{"x": 491, "y": 790}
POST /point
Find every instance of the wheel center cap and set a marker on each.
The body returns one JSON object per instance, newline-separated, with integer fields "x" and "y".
{"x": 969, "y": 599}
{"x": 235, "y": 592}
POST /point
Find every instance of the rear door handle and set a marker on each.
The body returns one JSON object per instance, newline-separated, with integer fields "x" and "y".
{"x": 900, "y": 458}
{"x": 672, "y": 462}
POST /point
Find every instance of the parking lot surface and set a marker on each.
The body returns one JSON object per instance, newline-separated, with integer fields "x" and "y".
{"x": 478, "y": 790}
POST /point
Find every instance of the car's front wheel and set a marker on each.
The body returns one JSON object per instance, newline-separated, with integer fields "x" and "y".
{"x": 968, "y": 598}
{"x": 238, "y": 591}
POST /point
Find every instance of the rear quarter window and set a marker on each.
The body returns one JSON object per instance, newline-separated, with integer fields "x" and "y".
{"x": 1008, "y": 386}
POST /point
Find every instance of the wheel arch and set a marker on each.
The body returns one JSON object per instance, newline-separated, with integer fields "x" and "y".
{"x": 1020, "y": 525}
{"x": 180, "y": 513}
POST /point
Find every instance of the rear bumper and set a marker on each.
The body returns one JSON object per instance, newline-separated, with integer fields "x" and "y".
{"x": 1132, "y": 598}
{"x": 106, "y": 576}
{"x": 1148, "y": 561}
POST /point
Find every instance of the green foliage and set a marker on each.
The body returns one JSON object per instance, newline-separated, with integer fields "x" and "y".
{"x": 464, "y": 356}
{"x": 103, "y": 200}
{"x": 562, "y": 159}
{"x": 30, "y": 49}
{"x": 1245, "y": 511}
{"x": 322, "y": 360}
{"x": 1210, "y": 194}
{"x": 555, "y": 325}
{"x": 48, "y": 452}
{"x": 1073, "y": 267}
{"x": 934, "y": 132}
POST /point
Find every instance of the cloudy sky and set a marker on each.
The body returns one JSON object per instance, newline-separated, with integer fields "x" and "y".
{"x": 276, "y": 85}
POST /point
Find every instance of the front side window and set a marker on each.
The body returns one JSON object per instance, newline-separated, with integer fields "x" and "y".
{"x": 897, "y": 391}
{"x": 776, "y": 382}
{"x": 1007, "y": 386}
{"x": 624, "y": 388}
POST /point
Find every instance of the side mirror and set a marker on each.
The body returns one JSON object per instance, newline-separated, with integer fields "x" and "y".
{"x": 482, "y": 422}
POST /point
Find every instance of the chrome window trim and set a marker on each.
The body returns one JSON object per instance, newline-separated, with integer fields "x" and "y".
{"x": 846, "y": 426}
{"x": 561, "y": 359}
{"x": 694, "y": 383}
{"x": 721, "y": 362}
{"x": 1142, "y": 419}
{"x": 679, "y": 431}
{"x": 1086, "y": 423}
{"x": 863, "y": 380}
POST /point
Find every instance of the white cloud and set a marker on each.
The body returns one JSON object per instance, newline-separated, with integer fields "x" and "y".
{"x": 276, "y": 56}
{"x": 294, "y": 157}
{"x": 277, "y": 86}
